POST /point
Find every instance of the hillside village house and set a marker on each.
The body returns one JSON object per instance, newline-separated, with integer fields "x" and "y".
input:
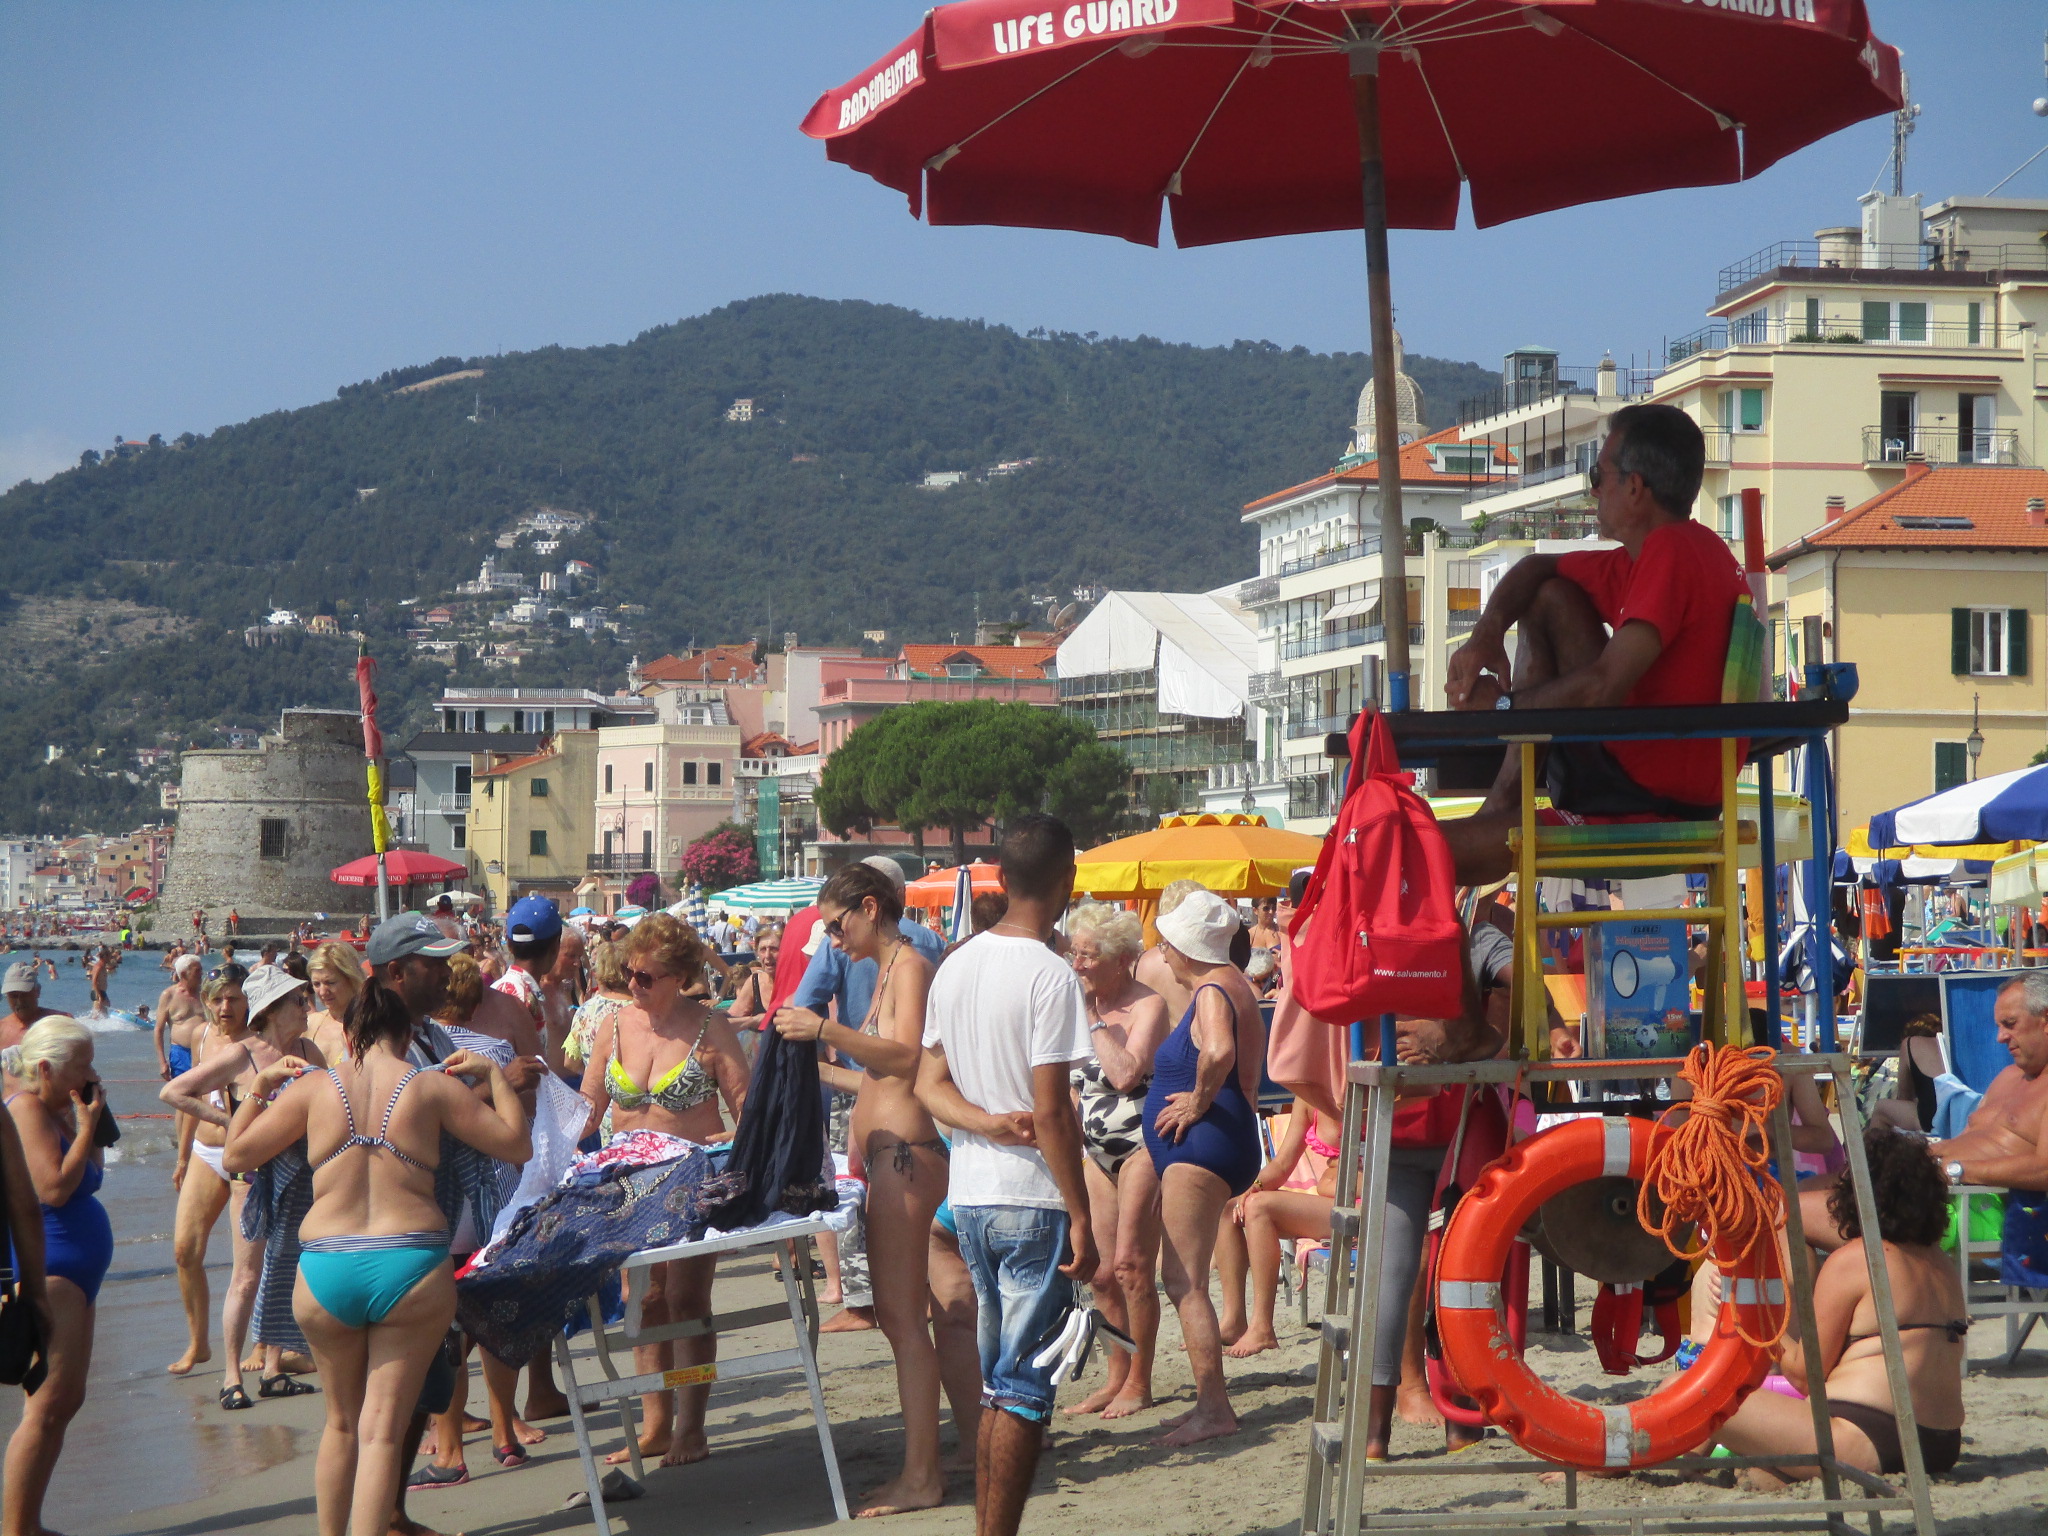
{"x": 1938, "y": 587}
{"x": 530, "y": 819}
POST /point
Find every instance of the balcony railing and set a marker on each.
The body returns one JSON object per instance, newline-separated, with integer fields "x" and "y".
{"x": 1519, "y": 394}
{"x": 448, "y": 805}
{"x": 1464, "y": 620}
{"x": 1359, "y": 551}
{"x": 1296, "y": 729}
{"x": 1343, "y": 640}
{"x": 1839, "y": 330}
{"x": 1941, "y": 445}
{"x": 1260, "y": 589}
{"x": 1538, "y": 525}
{"x": 1308, "y": 794}
{"x": 1918, "y": 256}
{"x": 1261, "y": 686}
{"x": 618, "y": 863}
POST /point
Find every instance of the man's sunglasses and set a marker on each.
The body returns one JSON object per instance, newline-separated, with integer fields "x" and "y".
{"x": 644, "y": 978}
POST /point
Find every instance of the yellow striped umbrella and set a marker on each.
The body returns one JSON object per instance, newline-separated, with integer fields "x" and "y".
{"x": 1232, "y": 855}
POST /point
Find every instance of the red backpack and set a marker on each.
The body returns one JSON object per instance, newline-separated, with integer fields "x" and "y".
{"x": 1377, "y": 931}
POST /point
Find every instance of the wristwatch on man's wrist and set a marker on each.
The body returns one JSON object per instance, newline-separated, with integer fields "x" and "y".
{"x": 1505, "y": 701}
{"x": 1954, "y": 1170}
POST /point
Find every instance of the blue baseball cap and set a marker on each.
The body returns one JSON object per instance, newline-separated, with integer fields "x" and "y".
{"x": 533, "y": 920}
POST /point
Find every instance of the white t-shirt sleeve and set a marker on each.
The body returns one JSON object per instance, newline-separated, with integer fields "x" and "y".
{"x": 1059, "y": 1019}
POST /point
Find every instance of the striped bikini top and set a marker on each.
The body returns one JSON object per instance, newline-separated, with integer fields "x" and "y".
{"x": 684, "y": 1086}
{"x": 381, "y": 1139}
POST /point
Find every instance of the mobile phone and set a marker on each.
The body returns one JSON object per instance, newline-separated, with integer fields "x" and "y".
{"x": 88, "y": 1093}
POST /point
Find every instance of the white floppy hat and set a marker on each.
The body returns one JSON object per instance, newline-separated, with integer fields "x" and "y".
{"x": 266, "y": 985}
{"x": 1201, "y": 927}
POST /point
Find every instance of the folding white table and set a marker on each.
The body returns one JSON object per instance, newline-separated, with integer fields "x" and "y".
{"x": 799, "y": 1310}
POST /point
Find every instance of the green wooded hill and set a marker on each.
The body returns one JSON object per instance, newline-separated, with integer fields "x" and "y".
{"x": 808, "y": 518}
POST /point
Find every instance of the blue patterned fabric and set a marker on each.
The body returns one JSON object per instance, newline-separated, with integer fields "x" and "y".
{"x": 559, "y": 1249}
{"x": 280, "y": 1194}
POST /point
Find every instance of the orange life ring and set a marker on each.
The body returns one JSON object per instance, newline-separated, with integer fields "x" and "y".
{"x": 1675, "y": 1419}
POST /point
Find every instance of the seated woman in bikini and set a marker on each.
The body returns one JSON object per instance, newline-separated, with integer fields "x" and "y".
{"x": 1276, "y": 1207}
{"x": 375, "y": 1291}
{"x": 862, "y": 910}
{"x": 1912, "y": 1214}
{"x": 663, "y": 1063}
{"x": 211, "y": 1093}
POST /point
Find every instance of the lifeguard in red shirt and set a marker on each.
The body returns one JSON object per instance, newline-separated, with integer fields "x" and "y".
{"x": 1668, "y": 595}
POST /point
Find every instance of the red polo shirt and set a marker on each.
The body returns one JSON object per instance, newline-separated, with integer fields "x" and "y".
{"x": 1685, "y": 585}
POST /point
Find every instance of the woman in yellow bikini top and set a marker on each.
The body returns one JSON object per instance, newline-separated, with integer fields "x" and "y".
{"x": 684, "y": 1086}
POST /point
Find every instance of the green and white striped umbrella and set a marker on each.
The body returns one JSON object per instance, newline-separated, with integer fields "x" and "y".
{"x": 776, "y": 896}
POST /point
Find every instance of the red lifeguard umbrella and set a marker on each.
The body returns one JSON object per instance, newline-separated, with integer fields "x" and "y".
{"x": 1248, "y": 118}
{"x": 404, "y": 867}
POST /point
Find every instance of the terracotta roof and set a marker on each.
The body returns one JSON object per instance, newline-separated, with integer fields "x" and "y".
{"x": 753, "y": 746}
{"x": 996, "y": 660}
{"x": 514, "y": 763}
{"x": 714, "y": 664}
{"x": 1954, "y": 506}
{"x": 1418, "y": 467}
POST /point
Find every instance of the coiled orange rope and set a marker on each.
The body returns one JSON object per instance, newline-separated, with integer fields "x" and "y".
{"x": 1708, "y": 1172}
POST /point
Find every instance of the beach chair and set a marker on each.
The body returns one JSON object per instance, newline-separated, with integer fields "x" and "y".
{"x": 1638, "y": 850}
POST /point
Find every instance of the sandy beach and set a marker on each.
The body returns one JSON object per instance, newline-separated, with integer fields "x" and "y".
{"x": 155, "y": 1454}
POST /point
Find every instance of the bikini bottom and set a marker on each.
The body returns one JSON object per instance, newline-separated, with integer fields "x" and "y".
{"x": 360, "y": 1279}
{"x": 1939, "y": 1448}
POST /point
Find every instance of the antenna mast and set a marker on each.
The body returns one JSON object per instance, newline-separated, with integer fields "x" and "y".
{"x": 1902, "y": 128}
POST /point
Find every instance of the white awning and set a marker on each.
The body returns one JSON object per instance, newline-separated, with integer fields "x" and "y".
{"x": 1357, "y": 608}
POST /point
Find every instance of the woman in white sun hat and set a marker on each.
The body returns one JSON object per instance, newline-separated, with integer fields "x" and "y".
{"x": 1202, "y": 1132}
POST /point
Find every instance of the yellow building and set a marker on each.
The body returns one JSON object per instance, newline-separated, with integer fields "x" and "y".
{"x": 1938, "y": 590}
{"x": 529, "y": 818}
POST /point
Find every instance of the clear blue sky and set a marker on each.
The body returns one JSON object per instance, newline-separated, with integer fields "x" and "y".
{"x": 212, "y": 210}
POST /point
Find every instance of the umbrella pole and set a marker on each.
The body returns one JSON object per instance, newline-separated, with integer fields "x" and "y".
{"x": 383, "y": 890}
{"x": 1372, "y": 176}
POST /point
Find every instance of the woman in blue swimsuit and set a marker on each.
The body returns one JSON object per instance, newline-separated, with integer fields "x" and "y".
{"x": 56, "y": 1111}
{"x": 375, "y": 1292}
{"x": 1203, "y": 1135}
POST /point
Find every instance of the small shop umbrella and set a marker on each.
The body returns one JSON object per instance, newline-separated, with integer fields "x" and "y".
{"x": 1249, "y": 118}
{"x": 1232, "y": 855}
{"x": 941, "y": 886}
{"x": 403, "y": 867}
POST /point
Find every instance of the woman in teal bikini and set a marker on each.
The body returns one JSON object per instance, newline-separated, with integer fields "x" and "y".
{"x": 664, "y": 1063}
{"x": 376, "y": 1293}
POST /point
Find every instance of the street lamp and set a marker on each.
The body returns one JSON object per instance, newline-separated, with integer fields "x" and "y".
{"x": 1974, "y": 742}
{"x": 1248, "y": 804}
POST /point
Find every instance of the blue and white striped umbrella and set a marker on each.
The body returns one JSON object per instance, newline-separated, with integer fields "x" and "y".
{"x": 691, "y": 909}
{"x": 963, "y": 906}
{"x": 2007, "y": 807}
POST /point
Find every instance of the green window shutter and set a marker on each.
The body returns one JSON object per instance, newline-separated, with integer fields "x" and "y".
{"x": 537, "y": 843}
{"x": 1951, "y": 765}
{"x": 2016, "y": 642}
{"x": 1976, "y": 324}
{"x": 1912, "y": 322}
{"x": 1813, "y": 317}
{"x": 1959, "y": 641}
{"x": 1877, "y": 320}
{"x": 1752, "y": 410}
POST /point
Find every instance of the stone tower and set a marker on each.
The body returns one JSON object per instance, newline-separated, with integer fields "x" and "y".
{"x": 1407, "y": 407}
{"x": 260, "y": 831}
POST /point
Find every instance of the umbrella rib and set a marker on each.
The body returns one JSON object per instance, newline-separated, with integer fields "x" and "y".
{"x": 1173, "y": 181}
{"x": 1677, "y": 90}
{"x": 938, "y": 161}
{"x": 1435, "y": 106}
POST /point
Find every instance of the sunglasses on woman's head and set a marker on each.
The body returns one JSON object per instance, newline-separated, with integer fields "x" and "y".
{"x": 232, "y": 971}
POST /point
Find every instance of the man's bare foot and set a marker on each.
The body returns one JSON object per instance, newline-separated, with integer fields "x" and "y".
{"x": 1414, "y": 1405}
{"x": 1095, "y": 1401}
{"x": 686, "y": 1447}
{"x": 650, "y": 1445}
{"x": 1198, "y": 1426}
{"x": 900, "y": 1497}
{"x": 539, "y": 1407}
{"x": 1177, "y": 1420}
{"x": 852, "y": 1320}
{"x": 472, "y": 1425}
{"x": 1230, "y": 1329}
{"x": 526, "y": 1434}
{"x": 196, "y": 1356}
{"x": 1127, "y": 1403}
{"x": 1255, "y": 1341}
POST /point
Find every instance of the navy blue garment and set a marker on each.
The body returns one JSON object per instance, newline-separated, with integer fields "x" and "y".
{"x": 1226, "y": 1139}
{"x": 778, "y": 1152}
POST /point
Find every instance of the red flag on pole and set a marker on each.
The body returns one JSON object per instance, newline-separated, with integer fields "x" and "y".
{"x": 366, "y": 695}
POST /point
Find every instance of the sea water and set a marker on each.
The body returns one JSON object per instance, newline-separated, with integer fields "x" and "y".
{"x": 143, "y": 1440}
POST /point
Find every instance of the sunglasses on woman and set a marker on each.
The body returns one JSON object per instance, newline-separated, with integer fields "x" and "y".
{"x": 234, "y": 970}
{"x": 644, "y": 978}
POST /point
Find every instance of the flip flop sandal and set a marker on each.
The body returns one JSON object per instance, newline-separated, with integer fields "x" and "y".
{"x": 233, "y": 1398}
{"x": 431, "y": 1476}
{"x": 283, "y": 1384}
{"x": 510, "y": 1456}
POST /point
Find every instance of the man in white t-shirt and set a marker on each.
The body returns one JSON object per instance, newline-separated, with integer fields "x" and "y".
{"x": 1003, "y": 1024}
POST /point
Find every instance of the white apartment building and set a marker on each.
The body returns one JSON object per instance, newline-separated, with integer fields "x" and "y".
{"x": 17, "y": 874}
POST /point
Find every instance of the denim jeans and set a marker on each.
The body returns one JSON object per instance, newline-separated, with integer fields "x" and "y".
{"x": 1013, "y": 1254}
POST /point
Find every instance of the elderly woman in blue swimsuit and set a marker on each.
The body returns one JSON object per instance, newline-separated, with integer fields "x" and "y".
{"x": 1203, "y": 1134}
{"x": 375, "y": 1291}
{"x": 55, "y": 1111}
{"x": 663, "y": 1063}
